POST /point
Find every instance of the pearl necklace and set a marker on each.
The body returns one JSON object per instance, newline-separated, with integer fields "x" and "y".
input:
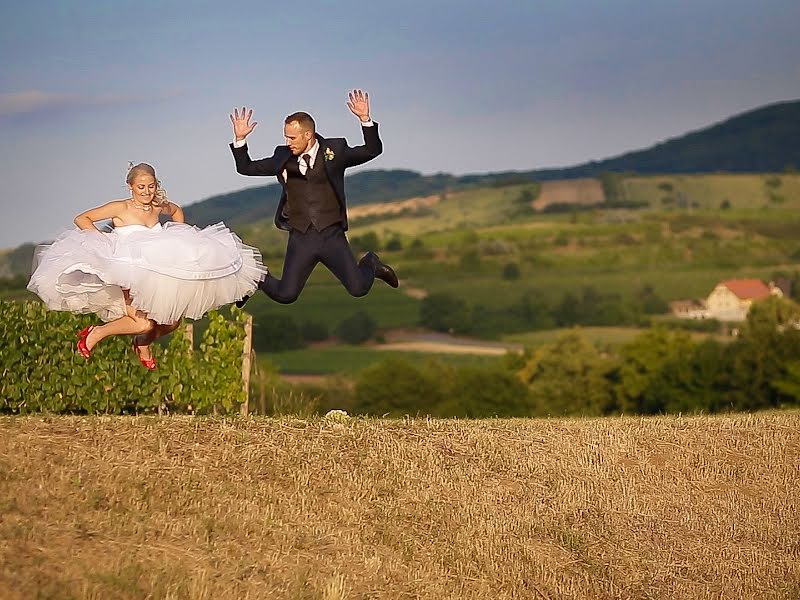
{"x": 140, "y": 206}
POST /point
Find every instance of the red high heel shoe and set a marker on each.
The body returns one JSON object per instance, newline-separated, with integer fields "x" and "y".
{"x": 149, "y": 363}
{"x": 83, "y": 349}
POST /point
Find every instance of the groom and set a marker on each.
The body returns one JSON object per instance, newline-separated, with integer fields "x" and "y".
{"x": 312, "y": 207}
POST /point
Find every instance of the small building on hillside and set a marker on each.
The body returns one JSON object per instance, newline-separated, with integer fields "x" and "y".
{"x": 688, "y": 309}
{"x": 731, "y": 300}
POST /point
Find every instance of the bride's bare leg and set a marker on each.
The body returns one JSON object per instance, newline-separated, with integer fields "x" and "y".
{"x": 134, "y": 323}
{"x": 156, "y": 332}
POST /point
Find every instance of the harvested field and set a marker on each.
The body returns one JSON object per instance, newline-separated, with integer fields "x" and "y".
{"x": 201, "y": 508}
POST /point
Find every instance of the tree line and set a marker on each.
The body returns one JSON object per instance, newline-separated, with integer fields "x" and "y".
{"x": 660, "y": 371}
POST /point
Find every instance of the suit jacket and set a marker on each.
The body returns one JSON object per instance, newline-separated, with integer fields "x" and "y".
{"x": 334, "y": 152}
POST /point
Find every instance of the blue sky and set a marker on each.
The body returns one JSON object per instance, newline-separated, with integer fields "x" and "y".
{"x": 457, "y": 86}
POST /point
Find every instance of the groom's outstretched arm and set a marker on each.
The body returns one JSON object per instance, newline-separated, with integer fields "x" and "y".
{"x": 242, "y": 127}
{"x": 358, "y": 103}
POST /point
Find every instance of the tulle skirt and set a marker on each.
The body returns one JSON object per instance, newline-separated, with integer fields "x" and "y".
{"x": 171, "y": 271}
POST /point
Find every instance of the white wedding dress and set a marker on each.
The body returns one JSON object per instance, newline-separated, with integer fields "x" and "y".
{"x": 172, "y": 271}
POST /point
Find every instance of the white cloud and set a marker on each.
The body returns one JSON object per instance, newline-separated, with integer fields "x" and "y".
{"x": 37, "y": 101}
{"x": 33, "y": 101}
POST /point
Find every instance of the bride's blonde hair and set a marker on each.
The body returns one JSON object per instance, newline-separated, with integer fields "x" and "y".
{"x": 145, "y": 169}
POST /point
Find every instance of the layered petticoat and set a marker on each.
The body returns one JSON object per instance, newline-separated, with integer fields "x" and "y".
{"x": 171, "y": 271}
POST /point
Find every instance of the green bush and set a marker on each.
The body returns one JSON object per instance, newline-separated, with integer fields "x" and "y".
{"x": 274, "y": 332}
{"x": 476, "y": 392}
{"x": 40, "y": 371}
{"x": 365, "y": 243}
{"x": 570, "y": 377}
{"x": 357, "y": 328}
{"x": 314, "y": 331}
{"x": 394, "y": 244}
{"x": 470, "y": 261}
{"x": 417, "y": 250}
{"x": 511, "y": 271}
{"x": 445, "y": 312}
{"x": 395, "y": 388}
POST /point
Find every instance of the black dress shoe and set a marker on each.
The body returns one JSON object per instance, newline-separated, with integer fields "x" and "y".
{"x": 387, "y": 274}
{"x": 382, "y": 271}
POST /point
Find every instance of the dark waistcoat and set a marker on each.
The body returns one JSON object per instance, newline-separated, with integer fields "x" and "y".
{"x": 311, "y": 200}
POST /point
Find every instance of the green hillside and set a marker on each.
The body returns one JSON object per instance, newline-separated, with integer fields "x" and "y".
{"x": 509, "y": 270}
{"x": 761, "y": 140}
{"x": 493, "y": 267}
{"x": 248, "y": 205}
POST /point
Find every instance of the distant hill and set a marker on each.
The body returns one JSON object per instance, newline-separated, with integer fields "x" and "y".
{"x": 761, "y": 140}
{"x": 366, "y": 187}
{"x": 256, "y": 203}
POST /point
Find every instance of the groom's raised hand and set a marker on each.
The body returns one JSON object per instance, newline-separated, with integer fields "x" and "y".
{"x": 358, "y": 103}
{"x": 242, "y": 127}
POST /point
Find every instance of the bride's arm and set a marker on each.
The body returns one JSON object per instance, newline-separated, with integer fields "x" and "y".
{"x": 174, "y": 211}
{"x": 86, "y": 220}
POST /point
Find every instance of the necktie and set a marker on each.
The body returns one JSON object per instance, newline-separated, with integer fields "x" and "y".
{"x": 307, "y": 159}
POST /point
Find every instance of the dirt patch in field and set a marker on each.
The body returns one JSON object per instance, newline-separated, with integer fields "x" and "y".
{"x": 304, "y": 379}
{"x": 411, "y": 205}
{"x": 570, "y": 191}
{"x": 443, "y": 348}
{"x": 416, "y": 293}
{"x": 442, "y": 343}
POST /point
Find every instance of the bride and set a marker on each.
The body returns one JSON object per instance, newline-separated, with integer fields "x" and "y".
{"x": 143, "y": 277}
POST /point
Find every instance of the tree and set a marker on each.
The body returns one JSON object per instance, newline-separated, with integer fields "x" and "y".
{"x": 314, "y": 331}
{"x": 768, "y": 343}
{"x": 789, "y": 383}
{"x": 444, "y": 312}
{"x": 357, "y": 328}
{"x": 418, "y": 250}
{"x": 651, "y": 303}
{"x": 642, "y": 361}
{"x": 273, "y": 333}
{"x": 470, "y": 261}
{"x": 477, "y": 392}
{"x": 613, "y": 187}
{"x": 394, "y": 244}
{"x": 511, "y": 271}
{"x": 568, "y": 311}
{"x": 366, "y": 242}
{"x": 691, "y": 382}
{"x": 533, "y": 311}
{"x": 570, "y": 377}
{"x": 395, "y": 387}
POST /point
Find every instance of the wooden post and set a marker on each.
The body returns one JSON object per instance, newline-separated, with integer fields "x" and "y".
{"x": 189, "y": 332}
{"x": 190, "y": 336}
{"x": 246, "y": 364}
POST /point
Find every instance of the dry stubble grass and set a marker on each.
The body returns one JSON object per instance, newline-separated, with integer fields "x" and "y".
{"x": 107, "y": 507}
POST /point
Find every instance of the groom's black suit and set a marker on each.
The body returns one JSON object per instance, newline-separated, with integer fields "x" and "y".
{"x": 313, "y": 209}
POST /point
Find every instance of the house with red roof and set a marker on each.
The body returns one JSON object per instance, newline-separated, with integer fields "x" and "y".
{"x": 731, "y": 300}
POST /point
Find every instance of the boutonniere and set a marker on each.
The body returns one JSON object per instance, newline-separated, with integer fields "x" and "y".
{"x": 329, "y": 155}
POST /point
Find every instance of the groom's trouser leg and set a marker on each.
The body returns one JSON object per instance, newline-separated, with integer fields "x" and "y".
{"x": 337, "y": 255}
{"x": 302, "y": 251}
